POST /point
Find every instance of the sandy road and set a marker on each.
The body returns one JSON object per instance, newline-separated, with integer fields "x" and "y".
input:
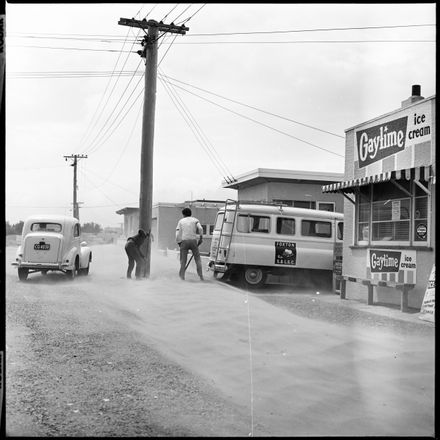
{"x": 103, "y": 355}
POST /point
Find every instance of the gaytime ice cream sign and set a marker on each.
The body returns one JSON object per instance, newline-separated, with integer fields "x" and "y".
{"x": 398, "y": 262}
{"x": 380, "y": 141}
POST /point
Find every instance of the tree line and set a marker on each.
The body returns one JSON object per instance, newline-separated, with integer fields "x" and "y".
{"x": 17, "y": 228}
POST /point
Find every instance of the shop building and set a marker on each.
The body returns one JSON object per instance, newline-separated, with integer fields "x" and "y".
{"x": 389, "y": 208}
{"x": 301, "y": 189}
{"x": 164, "y": 220}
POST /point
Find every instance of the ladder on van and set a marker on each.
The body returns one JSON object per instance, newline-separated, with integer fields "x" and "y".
{"x": 225, "y": 237}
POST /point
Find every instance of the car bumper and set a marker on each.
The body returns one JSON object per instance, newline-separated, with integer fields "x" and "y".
{"x": 39, "y": 266}
{"x": 217, "y": 267}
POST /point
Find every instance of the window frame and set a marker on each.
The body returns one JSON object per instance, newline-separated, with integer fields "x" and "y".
{"x": 412, "y": 196}
{"x": 286, "y": 218}
{"x": 46, "y": 230}
{"x": 312, "y": 204}
{"x": 251, "y": 231}
{"x": 76, "y": 230}
{"x": 318, "y": 202}
{"x": 321, "y": 237}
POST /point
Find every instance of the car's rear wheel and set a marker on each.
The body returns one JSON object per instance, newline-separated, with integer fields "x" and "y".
{"x": 85, "y": 270}
{"x": 71, "y": 273}
{"x": 23, "y": 273}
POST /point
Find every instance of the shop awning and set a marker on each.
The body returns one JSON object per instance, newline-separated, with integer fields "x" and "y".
{"x": 348, "y": 186}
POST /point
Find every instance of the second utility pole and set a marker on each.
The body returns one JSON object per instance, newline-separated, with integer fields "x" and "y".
{"x": 75, "y": 158}
{"x": 149, "y": 52}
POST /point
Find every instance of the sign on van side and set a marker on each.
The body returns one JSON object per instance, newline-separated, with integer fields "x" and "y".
{"x": 285, "y": 253}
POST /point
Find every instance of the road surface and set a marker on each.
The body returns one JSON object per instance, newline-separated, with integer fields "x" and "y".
{"x": 105, "y": 356}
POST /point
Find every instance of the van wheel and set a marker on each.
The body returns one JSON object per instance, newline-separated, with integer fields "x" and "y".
{"x": 218, "y": 275}
{"x": 23, "y": 273}
{"x": 254, "y": 277}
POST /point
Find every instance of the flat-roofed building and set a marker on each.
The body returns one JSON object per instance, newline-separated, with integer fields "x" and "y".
{"x": 301, "y": 189}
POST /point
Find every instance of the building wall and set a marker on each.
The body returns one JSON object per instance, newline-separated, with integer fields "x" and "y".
{"x": 270, "y": 191}
{"x": 168, "y": 216}
{"x": 355, "y": 257}
{"x": 131, "y": 224}
{"x": 254, "y": 192}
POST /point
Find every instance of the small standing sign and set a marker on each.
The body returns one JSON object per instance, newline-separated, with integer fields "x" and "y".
{"x": 427, "y": 311}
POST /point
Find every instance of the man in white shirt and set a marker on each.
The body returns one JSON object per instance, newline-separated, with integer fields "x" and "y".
{"x": 189, "y": 236}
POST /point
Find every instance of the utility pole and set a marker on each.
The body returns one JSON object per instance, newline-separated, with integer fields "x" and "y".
{"x": 75, "y": 158}
{"x": 149, "y": 52}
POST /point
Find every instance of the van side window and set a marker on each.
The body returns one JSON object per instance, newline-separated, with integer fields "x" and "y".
{"x": 253, "y": 223}
{"x": 285, "y": 226}
{"x": 219, "y": 221}
{"x": 313, "y": 228}
{"x": 340, "y": 231}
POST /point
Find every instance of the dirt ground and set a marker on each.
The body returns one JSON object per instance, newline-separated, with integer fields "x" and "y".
{"x": 106, "y": 356}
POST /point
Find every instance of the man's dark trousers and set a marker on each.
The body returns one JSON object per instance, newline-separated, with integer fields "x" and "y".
{"x": 134, "y": 256}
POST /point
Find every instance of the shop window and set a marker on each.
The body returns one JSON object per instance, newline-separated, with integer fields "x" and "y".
{"x": 308, "y": 204}
{"x": 283, "y": 202}
{"x": 207, "y": 229}
{"x": 313, "y": 228}
{"x": 285, "y": 226}
{"x": 392, "y": 213}
{"x": 326, "y": 206}
{"x": 253, "y": 223}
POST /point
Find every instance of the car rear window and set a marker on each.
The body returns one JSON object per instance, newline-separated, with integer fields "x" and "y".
{"x": 46, "y": 227}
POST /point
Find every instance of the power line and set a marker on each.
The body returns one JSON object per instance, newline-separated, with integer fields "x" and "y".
{"x": 89, "y": 128}
{"x": 97, "y": 146}
{"x": 182, "y": 13}
{"x": 255, "y": 108}
{"x": 312, "y": 30}
{"x": 305, "y": 42}
{"x": 195, "y": 13}
{"x": 169, "y": 47}
{"x": 237, "y": 42}
{"x": 260, "y": 123}
{"x": 99, "y": 189}
{"x": 92, "y": 145}
{"x": 100, "y": 36}
{"x": 125, "y": 147}
{"x": 164, "y": 18}
{"x": 195, "y": 128}
{"x": 70, "y": 48}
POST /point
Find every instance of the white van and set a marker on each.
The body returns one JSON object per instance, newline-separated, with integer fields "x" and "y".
{"x": 252, "y": 240}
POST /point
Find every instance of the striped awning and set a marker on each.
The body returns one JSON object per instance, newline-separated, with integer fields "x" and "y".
{"x": 417, "y": 173}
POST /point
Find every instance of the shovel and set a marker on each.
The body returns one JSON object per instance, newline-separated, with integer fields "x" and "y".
{"x": 192, "y": 255}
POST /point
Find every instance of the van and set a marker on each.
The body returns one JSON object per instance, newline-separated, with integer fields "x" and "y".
{"x": 253, "y": 240}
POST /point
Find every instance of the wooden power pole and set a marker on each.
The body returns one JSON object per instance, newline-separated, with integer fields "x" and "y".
{"x": 75, "y": 158}
{"x": 149, "y": 52}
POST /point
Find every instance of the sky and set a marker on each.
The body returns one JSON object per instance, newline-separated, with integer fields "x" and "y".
{"x": 248, "y": 86}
